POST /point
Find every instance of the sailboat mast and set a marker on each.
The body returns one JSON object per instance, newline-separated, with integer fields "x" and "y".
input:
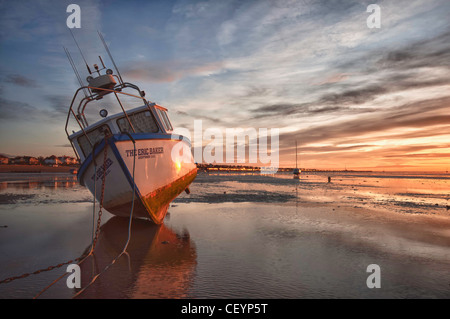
{"x": 296, "y": 154}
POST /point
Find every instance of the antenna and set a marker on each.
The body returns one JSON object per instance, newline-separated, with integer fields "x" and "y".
{"x": 69, "y": 57}
{"x": 87, "y": 66}
{"x": 102, "y": 62}
{"x": 110, "y": 56}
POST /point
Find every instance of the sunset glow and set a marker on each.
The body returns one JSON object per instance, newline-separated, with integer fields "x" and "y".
{"x": 353, "y": 97}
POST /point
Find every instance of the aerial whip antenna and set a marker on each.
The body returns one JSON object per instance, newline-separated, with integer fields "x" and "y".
{"x": 81, "y": 52}
{"x": 110, "y": 56}
{"x": 69, "y": 57}
{"x": 102, "y": 62}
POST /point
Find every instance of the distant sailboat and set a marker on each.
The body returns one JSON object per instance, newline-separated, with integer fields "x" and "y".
{"x": 296, "y": 169}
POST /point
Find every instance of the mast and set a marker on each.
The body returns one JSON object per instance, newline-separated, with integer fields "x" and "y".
{"x": 296, "y": 170}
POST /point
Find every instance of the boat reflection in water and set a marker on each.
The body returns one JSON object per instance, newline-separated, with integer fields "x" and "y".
{"x": 159, "y": 263}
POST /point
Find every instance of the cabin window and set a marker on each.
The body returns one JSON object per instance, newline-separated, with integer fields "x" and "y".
{"x": 165, "y": 119}
{"x": 95, "y": 136}
{"x": 143, "y": 122}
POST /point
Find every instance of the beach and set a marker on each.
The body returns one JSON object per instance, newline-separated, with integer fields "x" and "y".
{"x": 236, "y": 235}
{"x": 33, "y": 169}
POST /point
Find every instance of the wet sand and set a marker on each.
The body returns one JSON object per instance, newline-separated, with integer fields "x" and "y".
{"x": 236, "y": 236}
{"x": 36, "y": 169}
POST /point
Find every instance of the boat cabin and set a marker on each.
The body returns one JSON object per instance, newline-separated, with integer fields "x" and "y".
{"x": 149, "y": 118}
{"x": 144, "y": 119}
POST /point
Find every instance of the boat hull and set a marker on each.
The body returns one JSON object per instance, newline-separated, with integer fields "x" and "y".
{"x": 159, "y": 176}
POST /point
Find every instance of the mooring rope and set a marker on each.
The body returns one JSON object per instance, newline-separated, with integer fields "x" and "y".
{"x": 94, "y": 238}
{"x": 129, "y": 226}
{"x": 79, "y": 259}
{"x": 83, "y": 257}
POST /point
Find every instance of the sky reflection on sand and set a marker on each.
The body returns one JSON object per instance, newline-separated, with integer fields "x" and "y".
{"x": 415, "y": 194}
{"x": 238, "y": 236}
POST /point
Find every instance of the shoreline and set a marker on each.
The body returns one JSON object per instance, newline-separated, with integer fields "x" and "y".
{"x": 35, "y": 169}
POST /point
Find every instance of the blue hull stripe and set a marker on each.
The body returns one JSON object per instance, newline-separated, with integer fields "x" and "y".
{"x": 124, "y": 137}
{"x": 88, "y": 161}
{"x": 126, "y": 171}
{"x": 98, "y": 150}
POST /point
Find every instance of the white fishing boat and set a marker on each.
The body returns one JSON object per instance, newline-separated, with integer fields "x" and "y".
{"x": 127, "y": 157}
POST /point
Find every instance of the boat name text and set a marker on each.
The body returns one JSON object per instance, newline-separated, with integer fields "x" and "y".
{"x": 102, "y": 169}
{"x": 148, "y": 152}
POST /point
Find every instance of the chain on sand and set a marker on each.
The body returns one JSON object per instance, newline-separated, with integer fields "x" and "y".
{"x": 94, "y": 242}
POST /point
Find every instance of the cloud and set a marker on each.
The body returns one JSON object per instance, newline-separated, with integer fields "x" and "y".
{"x": 192, "y": 10}
{"x": 335, "y": 78}
{"x": 418, "y": 65}
{"x": 433, "y": 52}
{"x": 291, "y": 109}
{"x": 388, "y": 84}
{"x": 58, "y": 104}
{"x": 418, "y": 115}
{"x": 310, "y": 67}
{"x": 169, "y": 71}
{"x": 430, "y": 52}
{"x": 41, "y": 19}
{"x": 10, "y": 110}
{"x": 17, "y": 110}
{"x": 420, "y": 155}
{"x": 356, "y": 96}
{"x": 21, "y": 80}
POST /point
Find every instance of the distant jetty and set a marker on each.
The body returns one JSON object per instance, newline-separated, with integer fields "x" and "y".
{"x": 247, "y": 168}
{"x": 39, "y": 168}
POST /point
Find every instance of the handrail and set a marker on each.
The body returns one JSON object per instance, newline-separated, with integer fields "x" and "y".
{"x": 126, "y": 115}
{"x": 80, "y": 117}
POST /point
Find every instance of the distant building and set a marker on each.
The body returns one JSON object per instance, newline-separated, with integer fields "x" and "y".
{"x": 4, "y": 160}
{"x": 31, "y": 160}
{"x": 24, "y": 160}
{"x": 52, "y": 160}
{"x": 67, "y": 160}
{"x": 16, "y": 160}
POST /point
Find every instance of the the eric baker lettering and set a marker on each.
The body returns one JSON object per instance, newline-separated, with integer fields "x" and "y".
{"x": 246, "y": 308}
{"x": 148, "y": 152}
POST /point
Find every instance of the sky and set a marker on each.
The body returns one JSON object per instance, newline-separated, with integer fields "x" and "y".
{"x": 352, "y": 97}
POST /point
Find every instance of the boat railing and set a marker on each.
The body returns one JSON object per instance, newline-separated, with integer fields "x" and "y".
{"x": 80, "y": 116}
